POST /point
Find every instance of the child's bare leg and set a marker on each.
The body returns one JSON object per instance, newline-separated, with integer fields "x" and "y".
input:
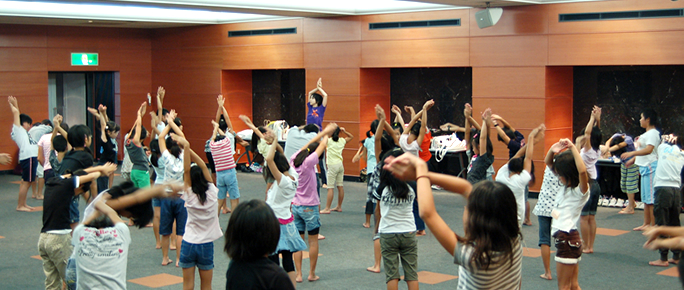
{"x": 393, "y": 284}
{"x": 41, "y": 186}
{"x": 298, "y": 264}
{"x": 165, "y": 240}
{"x": 527, "y": 220}
{"x": 412, "y": 285}
{"x": 34, "y": 189}
{"x": 155, "y": 226}
{"x": 630, "y": 207}
{"x": 234, "y": 203}
{"x": 222, "y": 206}
{"x": 377, "y": 255}
{"x": 565, "y": 274}
{"x": 546, "y": 259}
{"x": 328, "y": 201}
{"x": 313, "y": 257}
{"x": 648, "y": 209}
{"x": 23, "y": 190}
{"x": 340, "y": 198}
{"x": 189, "y": 278}
{"x": 179, "y": 240}
{"x": 173, "y": 236}
{"x": 575, "y": 281}
{"x": 367, "y": 223}
{"x": 205, "y": 279}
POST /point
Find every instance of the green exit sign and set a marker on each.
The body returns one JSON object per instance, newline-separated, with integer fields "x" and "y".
{"x": 80, "y": 58}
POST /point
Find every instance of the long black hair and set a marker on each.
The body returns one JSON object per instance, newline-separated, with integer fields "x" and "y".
{"x": 255, "y": 139}
{"x": 281, "y": 162}
{"x": 154, "y": 148}
{"x": 199, "y": 183}
{"x": 173, "y": 147}
{"x": 492, "y": 224}
{"x": 336, "y": 134}
{"x": 564, "y": 165}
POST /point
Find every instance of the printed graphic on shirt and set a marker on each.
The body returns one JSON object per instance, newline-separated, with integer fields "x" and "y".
{"x": 100, "y": 243}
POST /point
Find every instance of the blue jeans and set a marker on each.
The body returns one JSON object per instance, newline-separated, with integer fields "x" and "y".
{"x": 306, "y": 218}
{"x": 200, "y": 255}
{"x": 226, "y": 181}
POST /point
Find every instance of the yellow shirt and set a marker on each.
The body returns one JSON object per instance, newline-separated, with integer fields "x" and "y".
{"x": 334, "y": 152}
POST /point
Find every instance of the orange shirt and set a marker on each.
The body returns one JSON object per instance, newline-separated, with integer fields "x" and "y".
{"x": 425, "y": 147}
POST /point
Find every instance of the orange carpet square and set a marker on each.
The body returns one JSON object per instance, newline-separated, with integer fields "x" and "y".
{"x": 159, "y": 280}
{"x": 672, "y": 272}
{"x": 1, "y": 237}
{"x": 532, "y": 252}
{"x": 37, "y": 257}
{"x": 610, "y": 232}
{"x": 433, "y": 278}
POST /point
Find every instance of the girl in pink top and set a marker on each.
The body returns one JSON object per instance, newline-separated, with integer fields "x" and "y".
{"x": 202, "y": 226}
{"x": 305, "y": 206}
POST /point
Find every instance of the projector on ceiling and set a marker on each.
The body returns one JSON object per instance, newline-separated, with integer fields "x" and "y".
{"x": 488, "y": 17}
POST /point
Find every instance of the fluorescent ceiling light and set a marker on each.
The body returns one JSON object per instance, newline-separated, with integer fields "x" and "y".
{"x": 122, "y": 12}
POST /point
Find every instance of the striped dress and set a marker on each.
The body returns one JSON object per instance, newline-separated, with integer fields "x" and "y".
{"x": 502, "y": 274}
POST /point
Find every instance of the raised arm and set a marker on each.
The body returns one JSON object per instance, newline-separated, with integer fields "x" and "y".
{"x": 503, "y": 122}
{"x": 103, "y": 111}
{"x": 215, "y": 131}
{"x": 319, "y": 86}
{"x": 170, "y": 121}
{"x": 327, "y": 131}
{"x": 397, "y": 115}
{"x": 583, "y": 141}
{"x": 229, "y": 124}
{"x": 410, "y": 110}
{"x": 423, "y": 121}
{"x": 57, "y": 129}
{"x": 160, "y": 101}
{"x": 449, "y": 127}
{"x": 144, "y": 194}
{"x": 527, "y": 163}
{"x": 499, "y": 131}
{"x": 103, "y": 123}
{"x": 410, "y": 167}
{"x": 466, "y": 132}
{"x": 154, "y": 132}
{"x": 14, "y": 106}
{"x": 349, "y": 135}
{"x": 103, "y": 208}
{"x": 249, "y": 124}
{"x": 484, "y": 134}
{"x": 581, "y": 168}
{"x": 138, "y": 124}
{"x": 407, "y": 129}
{"x": 359, "y": 153}
{"x": 322, "y": 145}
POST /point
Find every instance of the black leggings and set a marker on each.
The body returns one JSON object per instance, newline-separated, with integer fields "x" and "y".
{"x": 288, "y": 263}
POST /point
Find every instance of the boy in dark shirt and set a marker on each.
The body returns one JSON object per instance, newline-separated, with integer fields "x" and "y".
{"x": 54, "y": 243}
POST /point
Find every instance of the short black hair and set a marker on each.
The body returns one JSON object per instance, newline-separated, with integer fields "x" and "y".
{"x": 143, "y": 133}
{"x": 80, "y": 172}
{"x": 47, "y": 122}
{"x": 652, "y": 116}
{"x": 516, "y": 165}
{"x": 101, "y": 222}
{"x": 112, "y": 126}
{"x": 78, "y": 134}
{"x": 178, "y": 121}
{"x": 23, "y": 118}
{"x": 510, "y": 133}
{"x": 595, "y": 138}
{"x": 415, "y": 130}
{"x": 59, "y": 143}
{"x": 616, "y": 141}
{"x": 318, "y": 98}
{"x": 253, "y": 231}
{"x": 311, "y": 128}
{"x": 164, "y": 111}
{"x": 281, "y": 162}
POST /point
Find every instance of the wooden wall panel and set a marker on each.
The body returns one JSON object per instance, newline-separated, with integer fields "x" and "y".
{"x": 263, "y": 57}
{"x": 236, "y": 86}
{"x": 187, "y": 58}
{"x": 415, "y": 33}
{"x": 23, "y": 59}
{"x": 84, "y": 37}
{"x": 517, "y": 20}
{"x": 416, "y": 53}
{"x": 59, "y": 59}
{"x": 195, "y": 81}
{"x": 343, "y": 109}
{"x": 559, "y": 104}
{"x": 22, "y": 36}
{"x": 608, "y": 26}
{"x": 22, "y": 84}
{"x": 336, "y": 82}
{"x": 332, "y": 55}
{"x": 331, "y": 29}
{"x": 509, "y": 81}
{"x": 637, "y": 48}
{"x": 529, "y": 50}
{"x": 195, "y": 36}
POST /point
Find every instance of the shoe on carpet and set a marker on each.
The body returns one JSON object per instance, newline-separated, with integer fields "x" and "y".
{"x": 613, "y": 202}
{"x": 639, "y": 205}
{"x": 620, "y": 203}
{"x": 603, "y": 201}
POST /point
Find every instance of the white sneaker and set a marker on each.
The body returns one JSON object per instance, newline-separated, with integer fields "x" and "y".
{"x": 436, "y": 187}
{"x": 620, "y": 203}
{"x": 626, "y": 204}
{"x": 613, "y": 202}
{"x": 639, "y": 205}
{"x": 604, "y": 201}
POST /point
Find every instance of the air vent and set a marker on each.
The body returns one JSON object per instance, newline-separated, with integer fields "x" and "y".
{"x": 237, "y": 33}
{"x": 642, "y": 14}
{"x": 414, "y": 24}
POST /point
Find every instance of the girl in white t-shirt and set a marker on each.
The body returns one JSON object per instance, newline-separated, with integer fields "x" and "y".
{"x": 413, "y": 134}
{"x": 489, "y": 254}
{"x": 279, "y": 197}
{"x": 566, "y": 213}
{"x": 589, "y": 142}
{"x": 647, "y": 160}
{"x": 202, "y": 225}
{"x": 397, "y": 227}
{"x": 262, "y": 140}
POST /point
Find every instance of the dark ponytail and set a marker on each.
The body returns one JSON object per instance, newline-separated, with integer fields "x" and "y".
{"x": 301, "y": 156}
{"x": 199, "y": 183}
{"x": 255, "y": 139}
{"x": 336, "y": 134}
{"x": 154, "y": 148}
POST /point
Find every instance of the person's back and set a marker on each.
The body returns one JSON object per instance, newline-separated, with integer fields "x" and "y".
{"x": 516, "y": 182}
{"x": 75, "y": 160}
{"x": 258, "y": 274}
{"x": 334, "y": 151}
{"x": 202, "y": 225}
{"x": 101, "y": 256}
{"x": 670, "y": 163}
{"x": 306, "y": 190}
{"x": 502, "y": 273}
{"x": 297, "y": 137}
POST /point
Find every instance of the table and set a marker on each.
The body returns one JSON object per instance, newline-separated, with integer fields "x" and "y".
{"x": 453, "y": 163}
{"x": 248, "y": 148}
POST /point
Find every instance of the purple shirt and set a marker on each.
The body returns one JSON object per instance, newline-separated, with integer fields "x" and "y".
{"x": 315, "y": 115}
{"x": 306, "y": 190}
